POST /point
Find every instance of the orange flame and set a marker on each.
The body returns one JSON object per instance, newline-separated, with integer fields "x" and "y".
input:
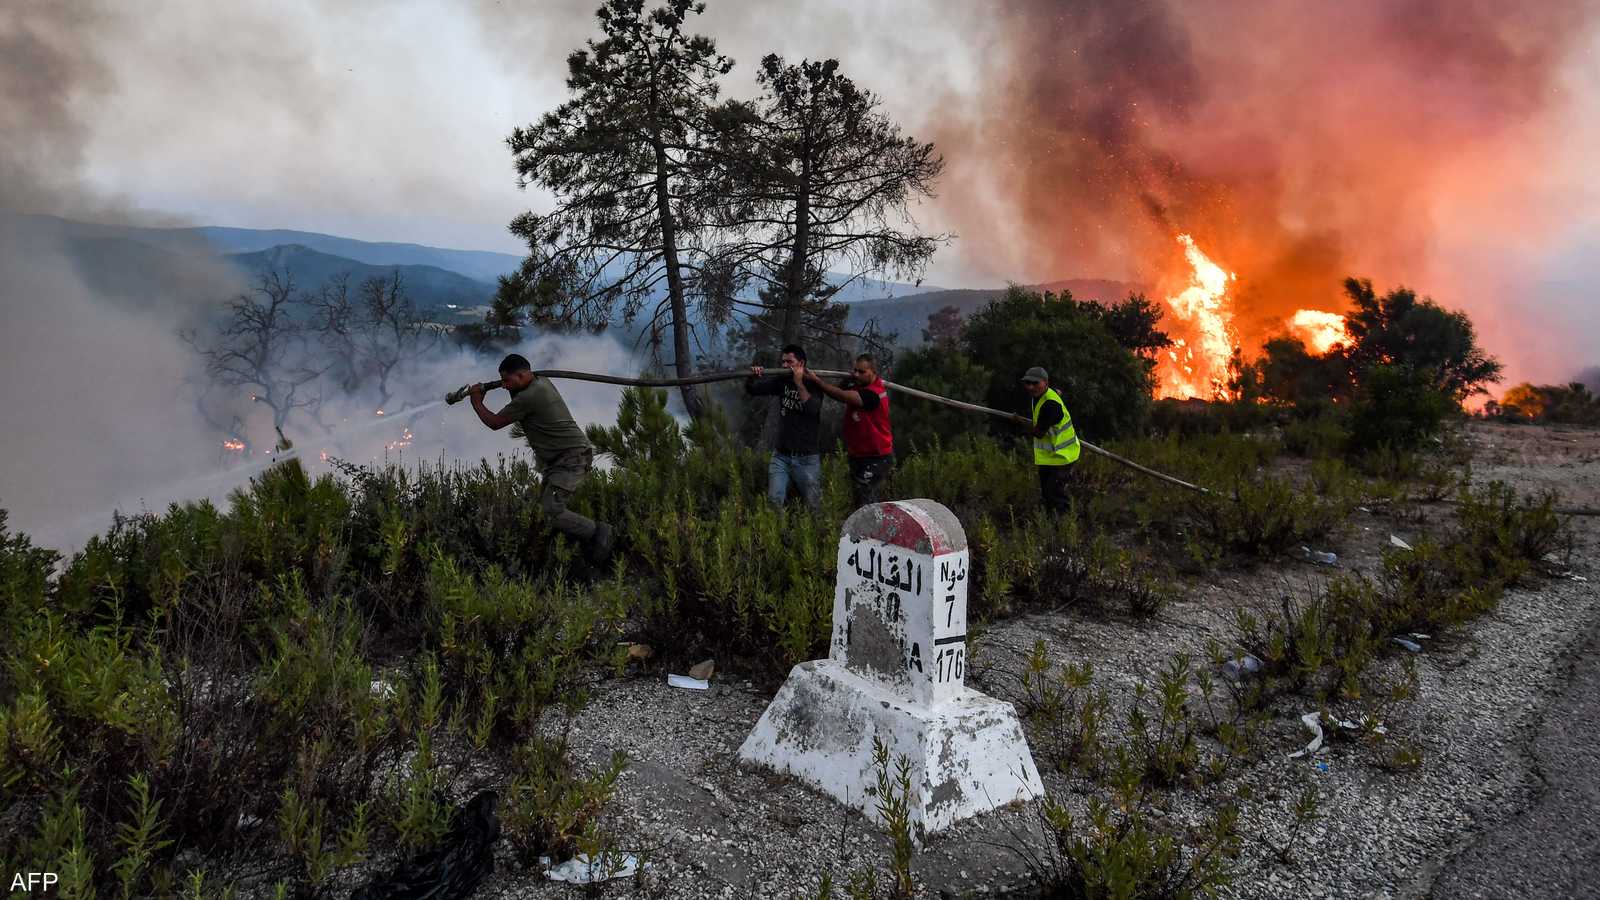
{"x": 1321, "y": 331}
{"x": 234, "y": 445}
{"x": 1199, "y": 368}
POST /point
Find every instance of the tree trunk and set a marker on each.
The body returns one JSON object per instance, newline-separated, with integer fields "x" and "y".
{"x": 794, "y": 289}
{"x": 794, "y": 292}
{"x": 682, "y": 362}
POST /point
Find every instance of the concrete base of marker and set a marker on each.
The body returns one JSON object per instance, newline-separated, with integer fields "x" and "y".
{"x": 968, "y": 754}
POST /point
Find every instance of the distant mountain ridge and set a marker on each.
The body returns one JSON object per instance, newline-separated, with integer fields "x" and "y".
{"x": 441, "y": 293}
{"x": 142, "y": 265}
{"x": 479, "y": 265}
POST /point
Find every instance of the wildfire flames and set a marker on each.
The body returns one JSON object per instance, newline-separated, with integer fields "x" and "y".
{"x": 1199, "y": 367}
{"x": 405, "y": 441}
{"x": 236, "y": 446}
{"x": 1204, "y": 338}
{"x": 1321, "y": 331}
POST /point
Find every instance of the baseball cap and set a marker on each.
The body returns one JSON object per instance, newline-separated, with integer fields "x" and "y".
{"x": 1037, "y": 373}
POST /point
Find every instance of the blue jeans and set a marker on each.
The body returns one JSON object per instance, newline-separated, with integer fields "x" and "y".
{"x": 805, "y": 471}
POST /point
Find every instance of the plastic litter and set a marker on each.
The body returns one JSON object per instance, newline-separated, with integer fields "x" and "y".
{"x": 1239, "y": 668}
{"x": 582, "y": 870}
{"x": 1323, "y": 767}
{"x": 1320, "y": 557}
{"x": 1411, "y": 645}
{"x": 687, "y": 683}
{"x": 1395, "y": 541}
{"x": 454, "y": 869}
{"x": 1313, "y": 721}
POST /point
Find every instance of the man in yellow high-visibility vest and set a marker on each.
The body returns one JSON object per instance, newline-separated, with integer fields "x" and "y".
{"x": 1055, "y": 441}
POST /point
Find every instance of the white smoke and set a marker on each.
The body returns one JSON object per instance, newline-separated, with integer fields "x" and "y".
{"x": 123, "y": 445}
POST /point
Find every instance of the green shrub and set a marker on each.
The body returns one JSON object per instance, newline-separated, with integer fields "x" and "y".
{"x": 1503, "y": 528}
{"x": 1105, "y": 385}
{"x": 1118, "y": 850}
{"x": 1319, "y": 436}
{"x": 506, "y": 649}
{"x": 921, "y": 425}
{"x": 1397, "y": 407}
{"x": 550, "y": 809}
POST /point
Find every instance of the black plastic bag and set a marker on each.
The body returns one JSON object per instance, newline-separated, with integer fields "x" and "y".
{"x": 454, "y": 869}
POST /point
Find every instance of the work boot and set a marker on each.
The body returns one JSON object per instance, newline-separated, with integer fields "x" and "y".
{"x": 599, "y": 547}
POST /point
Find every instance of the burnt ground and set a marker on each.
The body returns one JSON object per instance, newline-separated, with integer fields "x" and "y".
{"x": 1502, "y": 803}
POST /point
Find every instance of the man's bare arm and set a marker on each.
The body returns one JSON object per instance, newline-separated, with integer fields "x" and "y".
{"x": 494, "y": 420}
{"x": 800, "y": 384}
{"x": 848, "y": 398}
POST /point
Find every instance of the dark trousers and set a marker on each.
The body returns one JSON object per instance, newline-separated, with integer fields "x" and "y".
{"x": 1055, "y": 484}
{"x": 867, "y": 477}
{"x": 562, "y": 475}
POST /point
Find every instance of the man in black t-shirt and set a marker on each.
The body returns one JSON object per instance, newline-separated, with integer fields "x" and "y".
{"x": 794, "y": 457}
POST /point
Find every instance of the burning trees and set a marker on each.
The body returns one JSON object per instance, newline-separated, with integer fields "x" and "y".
{"x": 286, "y": 348}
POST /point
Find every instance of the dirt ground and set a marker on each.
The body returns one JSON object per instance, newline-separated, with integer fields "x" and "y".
{"x": 709, "y": 828}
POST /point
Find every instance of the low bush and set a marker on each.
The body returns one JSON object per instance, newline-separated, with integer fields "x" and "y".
{"x": 1116, "y": 847}
{"x": 1324, "y": 645}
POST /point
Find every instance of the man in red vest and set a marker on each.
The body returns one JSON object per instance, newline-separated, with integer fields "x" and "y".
{"x": 867, "y": 438}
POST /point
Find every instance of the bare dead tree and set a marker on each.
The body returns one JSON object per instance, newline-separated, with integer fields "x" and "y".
{"x": 372, "y": 335}
{"x": 262, "y": 346}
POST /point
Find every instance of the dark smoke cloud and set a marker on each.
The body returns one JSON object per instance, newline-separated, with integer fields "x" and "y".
{"x": 45, "y": 70}
{"x": 1298, "y": 143}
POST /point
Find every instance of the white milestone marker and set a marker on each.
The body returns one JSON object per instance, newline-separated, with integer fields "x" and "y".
{"x": 896, "y": 672}
{"x": 900, "y": 612}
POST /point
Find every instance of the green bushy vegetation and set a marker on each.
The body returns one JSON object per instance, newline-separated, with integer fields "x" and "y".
{"x": 301, "y": 675}
{"x": 308, "y": 675}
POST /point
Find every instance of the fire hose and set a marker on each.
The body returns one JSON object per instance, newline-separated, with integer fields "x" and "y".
{"x": 456, "y": 396}
{"x": 461, "y": 393}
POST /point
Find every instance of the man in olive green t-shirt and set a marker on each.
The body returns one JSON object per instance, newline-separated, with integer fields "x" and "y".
{"x": 559, "y": 446}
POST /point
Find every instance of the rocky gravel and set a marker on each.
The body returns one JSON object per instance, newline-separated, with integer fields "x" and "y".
{"x": 708, "y": 828}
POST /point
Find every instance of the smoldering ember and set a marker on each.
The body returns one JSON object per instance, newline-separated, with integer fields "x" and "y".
{"x": 886, "y": 450}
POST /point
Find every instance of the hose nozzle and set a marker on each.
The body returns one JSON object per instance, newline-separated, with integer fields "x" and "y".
{"x": 460, "y": 393}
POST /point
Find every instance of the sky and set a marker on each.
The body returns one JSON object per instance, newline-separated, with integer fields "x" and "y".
{"x": 388, "y": 121}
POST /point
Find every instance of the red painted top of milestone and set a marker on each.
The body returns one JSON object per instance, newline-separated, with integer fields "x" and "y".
{"x": 923, "y": 526}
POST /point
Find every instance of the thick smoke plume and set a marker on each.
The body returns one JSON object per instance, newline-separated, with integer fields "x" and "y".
{"x": 1298, "y": 143}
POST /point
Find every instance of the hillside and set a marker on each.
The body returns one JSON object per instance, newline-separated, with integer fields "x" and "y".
{"x": 478, "y": 265}
{"x": 432, "y": 289}
{"x": 142, "y": 265}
